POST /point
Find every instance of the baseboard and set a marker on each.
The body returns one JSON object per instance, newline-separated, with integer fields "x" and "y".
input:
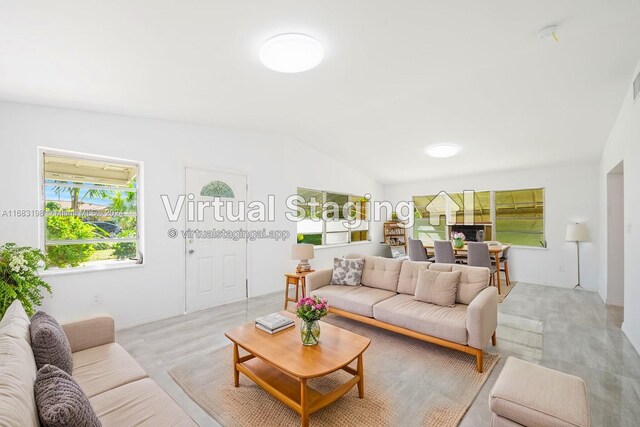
{"x": 147, "y": 319}
{"x": 553, "y": 285}
{"x": 615, "y": 302}
{"x": 635, "y": 345}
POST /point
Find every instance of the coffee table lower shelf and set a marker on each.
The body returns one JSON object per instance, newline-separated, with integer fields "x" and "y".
{"x": 294, "y": 392}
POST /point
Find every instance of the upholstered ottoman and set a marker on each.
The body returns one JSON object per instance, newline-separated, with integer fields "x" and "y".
{"x": 527, "y": 394}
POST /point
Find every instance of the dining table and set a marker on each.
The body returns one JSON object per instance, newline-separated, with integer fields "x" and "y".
{"x": 494, "y": 250}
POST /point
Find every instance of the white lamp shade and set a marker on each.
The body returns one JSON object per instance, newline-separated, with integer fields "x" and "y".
{"x": 577, "y": 233}
{"x": 302, "y": 251}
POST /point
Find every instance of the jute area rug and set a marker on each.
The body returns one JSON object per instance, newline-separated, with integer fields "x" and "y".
{"x": 505, "y": 290}
{"x": 407, "y": 383}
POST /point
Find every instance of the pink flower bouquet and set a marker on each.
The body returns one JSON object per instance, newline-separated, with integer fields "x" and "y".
{"x": 312, "y": 308}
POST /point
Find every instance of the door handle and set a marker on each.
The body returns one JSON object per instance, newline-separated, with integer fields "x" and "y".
{"x": 191, "y": 251}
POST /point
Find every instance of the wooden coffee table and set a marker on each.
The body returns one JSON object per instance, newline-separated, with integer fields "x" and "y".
{"x": 281, "y": 365}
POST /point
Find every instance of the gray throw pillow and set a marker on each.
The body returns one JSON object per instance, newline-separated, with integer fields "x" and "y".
{"x": 49, "y": 343}
{"x": 61, "y": 401}
{"x": 347, "y": 271}
{"x": 437, "y": 287}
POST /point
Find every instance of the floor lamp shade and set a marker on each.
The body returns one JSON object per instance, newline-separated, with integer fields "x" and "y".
{"x": 577, "y": 233}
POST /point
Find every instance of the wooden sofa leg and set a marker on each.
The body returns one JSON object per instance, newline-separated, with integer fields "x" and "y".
{"x": 479, "y": 361}
{"x": 493, "y": 339}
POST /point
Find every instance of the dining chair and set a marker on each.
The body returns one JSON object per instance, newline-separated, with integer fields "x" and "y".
{"x": 417, "y": 252}
{"x": 504, "y": 264}
{"x": 478, "y": 256}
{"x": 444, "y": 252}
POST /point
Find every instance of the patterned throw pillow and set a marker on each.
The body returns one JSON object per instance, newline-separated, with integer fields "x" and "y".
{"x": 61, "y": 401}
{"x": 49, "y": 343}
{"x": 347, "y": 271}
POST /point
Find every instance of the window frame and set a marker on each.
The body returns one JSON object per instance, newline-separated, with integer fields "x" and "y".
{"x": 324, "y": 223}
{"x": 544, "y": 215}
{"x": 42, "y": 200}
{"x": 493, "y": 213}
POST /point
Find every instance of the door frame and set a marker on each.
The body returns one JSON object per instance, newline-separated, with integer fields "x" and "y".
{"x": 185, "y": 166}
{"x": 615, "y": 235}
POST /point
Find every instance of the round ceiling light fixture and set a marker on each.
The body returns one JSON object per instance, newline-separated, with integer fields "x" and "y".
{"x": 291, "y": 53}
{"x": 442, "y": 150}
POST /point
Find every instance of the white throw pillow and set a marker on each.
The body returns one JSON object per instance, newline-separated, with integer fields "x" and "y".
{"x": 437, "y": 287}
{"x": 347, "y": 271}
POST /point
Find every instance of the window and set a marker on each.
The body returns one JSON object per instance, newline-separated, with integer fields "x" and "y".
{"x": 332, "y": 218}
{"x": 428, "y": 208}
{"x": 518, "y": 215}
{"x": 90, "y": 207}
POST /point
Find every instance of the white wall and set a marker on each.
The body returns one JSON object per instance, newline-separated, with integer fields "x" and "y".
{"x": 624, "y": 145}
{"x": 570, "y": 196}
{"x": 614, "y": 237}
{"x": 276, "y": 165}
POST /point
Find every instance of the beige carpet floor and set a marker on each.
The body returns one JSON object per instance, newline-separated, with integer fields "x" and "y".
{"x": 408, "y": 383}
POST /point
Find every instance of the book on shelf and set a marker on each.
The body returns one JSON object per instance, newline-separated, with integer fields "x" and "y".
{"x": 274, "y": 321}
{"x": 273, "y": 331}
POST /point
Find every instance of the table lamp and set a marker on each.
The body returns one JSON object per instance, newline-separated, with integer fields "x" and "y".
{"x": 577, "y": 233}
{"x": 302, "y": 252}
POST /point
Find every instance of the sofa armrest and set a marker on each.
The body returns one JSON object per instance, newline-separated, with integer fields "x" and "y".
{"x": 318, "y": 279}
{"x": 90, "y": 332}
{"x": 482, "y": 317}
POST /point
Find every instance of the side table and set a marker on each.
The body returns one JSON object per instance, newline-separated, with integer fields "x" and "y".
{"x": 295, "y": 279}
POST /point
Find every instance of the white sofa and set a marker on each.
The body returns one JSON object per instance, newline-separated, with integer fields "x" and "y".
{"x": 386, "y": 299}
{"x": 119, "y": 390}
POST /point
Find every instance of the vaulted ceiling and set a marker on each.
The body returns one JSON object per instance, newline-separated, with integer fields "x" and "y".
{"x": 397, "y": 75}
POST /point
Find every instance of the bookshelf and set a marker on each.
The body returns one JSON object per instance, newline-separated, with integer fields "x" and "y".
{"x": 395, "y": 235}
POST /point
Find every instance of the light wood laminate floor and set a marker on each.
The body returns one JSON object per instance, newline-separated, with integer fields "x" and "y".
{"x": 572, "y": 331}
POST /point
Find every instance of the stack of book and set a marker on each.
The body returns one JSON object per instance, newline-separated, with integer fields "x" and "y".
{"x": 273, "y": 323}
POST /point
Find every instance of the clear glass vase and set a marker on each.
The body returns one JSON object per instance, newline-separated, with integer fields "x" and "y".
{"x": 310, "y": 332}
{"x": 458, "y": 243}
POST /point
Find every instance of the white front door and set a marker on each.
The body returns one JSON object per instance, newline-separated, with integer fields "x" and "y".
{"x": 216, "y": 261}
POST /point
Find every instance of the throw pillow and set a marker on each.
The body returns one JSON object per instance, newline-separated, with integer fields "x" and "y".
{"x": 61, "y": 401}
{"x": 49, "y": 343}
{"x": 347, "y": 271}
{"x": 437, "y": 287}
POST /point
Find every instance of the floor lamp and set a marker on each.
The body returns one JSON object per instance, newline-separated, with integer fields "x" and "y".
{"x": 577, "y": 233}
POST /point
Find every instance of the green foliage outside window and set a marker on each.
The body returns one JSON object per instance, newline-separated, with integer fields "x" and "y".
{"x": 69, "y": 228}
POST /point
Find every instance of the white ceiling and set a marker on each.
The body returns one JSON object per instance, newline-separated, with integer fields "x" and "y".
{"x": 397, "y": 76}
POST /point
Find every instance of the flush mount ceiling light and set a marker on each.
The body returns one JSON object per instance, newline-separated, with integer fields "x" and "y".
{"x": 291, "y": 53}
{"x": 442, "y": 150}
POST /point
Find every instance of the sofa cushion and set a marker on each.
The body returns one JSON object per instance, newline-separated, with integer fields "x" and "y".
{"x": 473, "y": 280}
{"x": 49, "y": 343}
{"x": 381, "y": 273}
{"x": 533, "y": 395}
{"x": 354, "y": 299}
{"x": 140, "y": 403}
{"x": 347, "y": 271}
{"x": 105, "y": 367}
{"x": 17, "y": 370}
{"x": 61, "y": 401}
{"x": 448, "y": 323}
{"x": 437, "y": 287}
{"x": 15, "y": 322}
{"x": 409, "y": 276}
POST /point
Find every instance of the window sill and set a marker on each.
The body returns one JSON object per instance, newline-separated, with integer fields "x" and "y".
{"x": 535, "y": 248}
{"x": 77, "y": 270}
{"x": 342, "y": 245}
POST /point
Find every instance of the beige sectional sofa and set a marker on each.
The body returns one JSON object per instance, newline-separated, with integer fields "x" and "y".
{"x": 386, "y": 299}
{"x": 119, "y": 390}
